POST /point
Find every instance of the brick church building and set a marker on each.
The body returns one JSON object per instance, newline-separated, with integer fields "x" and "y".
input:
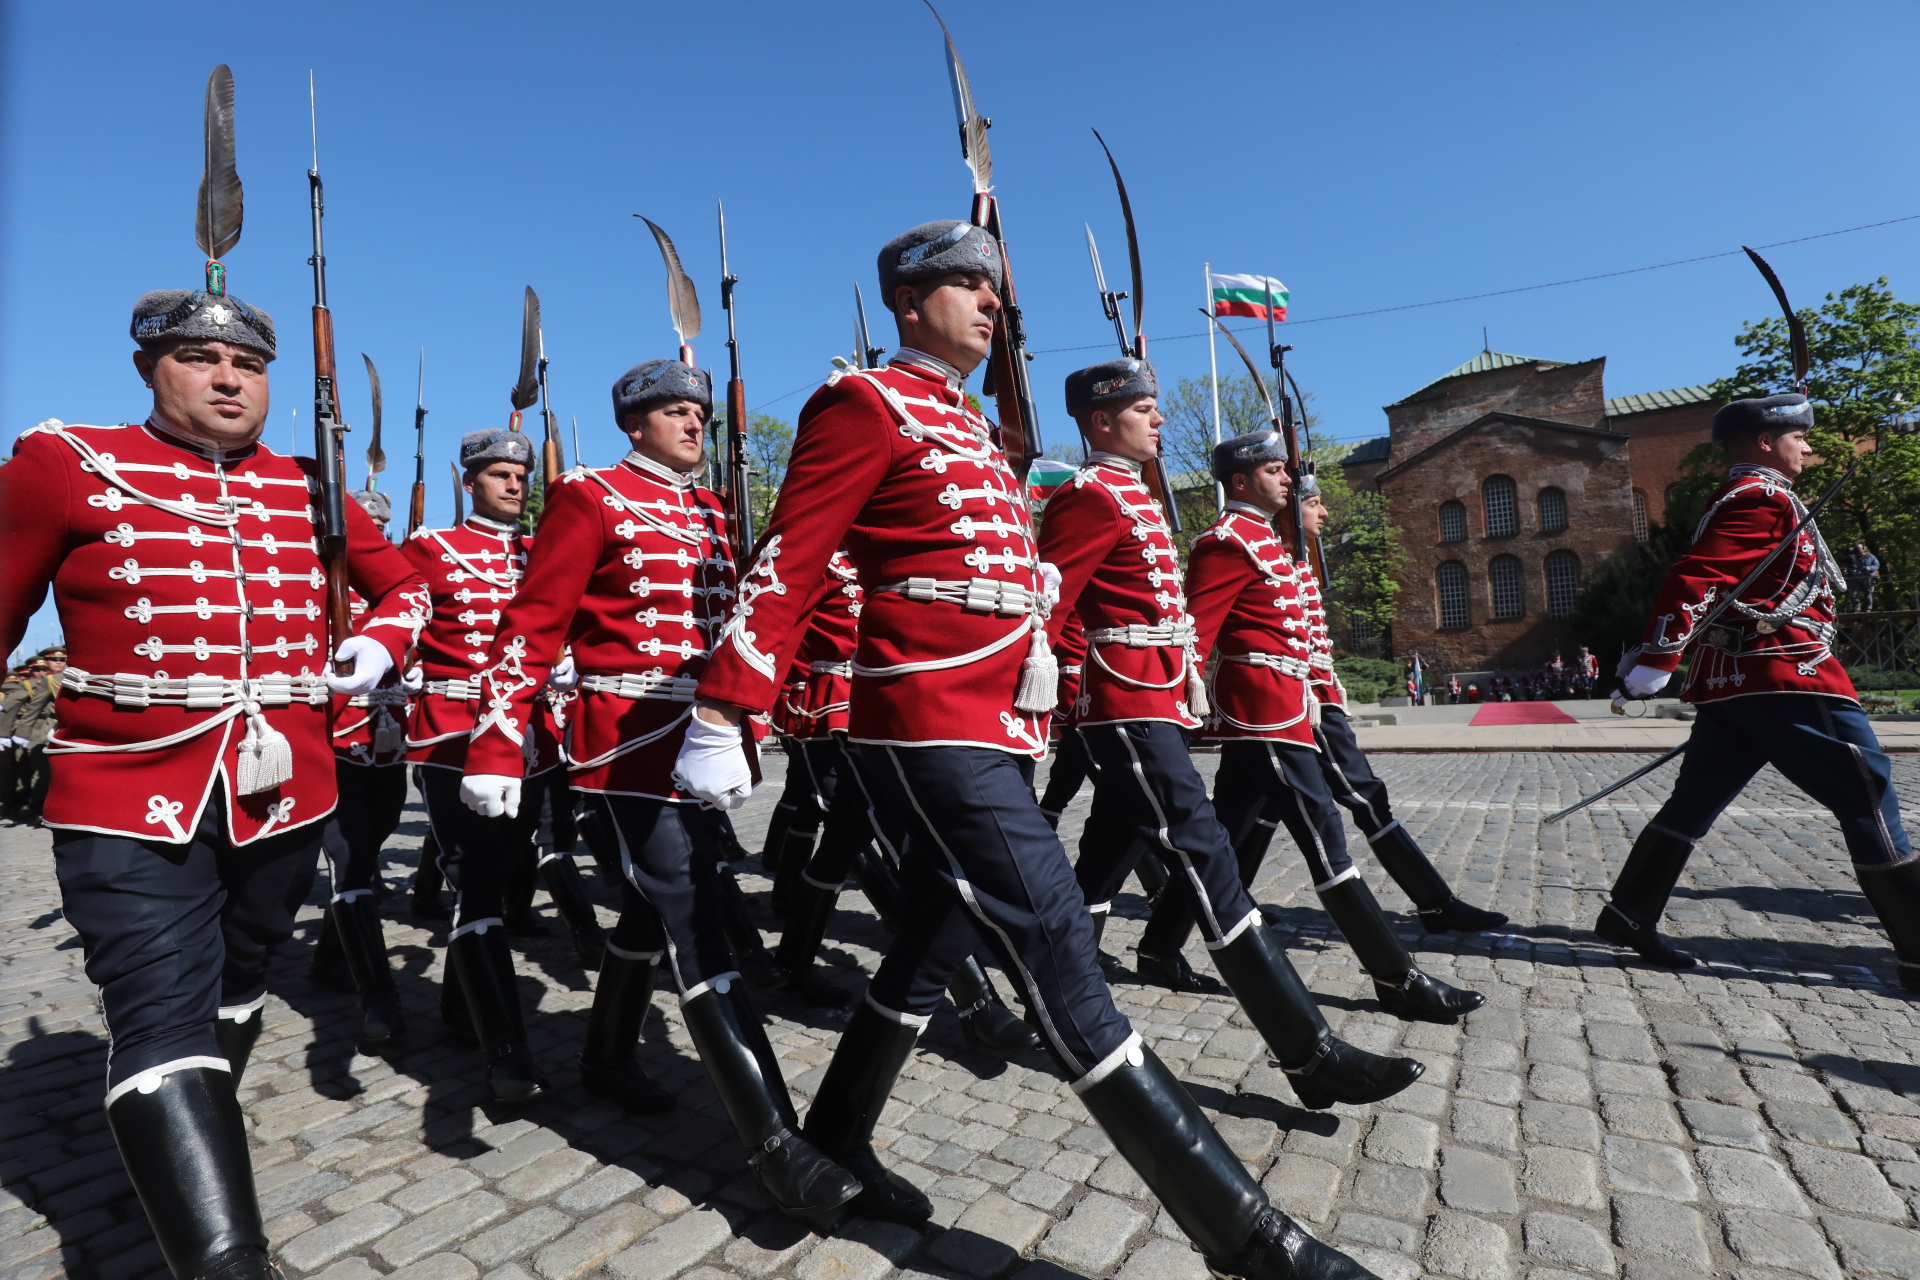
{"x": 1511, "y": 480}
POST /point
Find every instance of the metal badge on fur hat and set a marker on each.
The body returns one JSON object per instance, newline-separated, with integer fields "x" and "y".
{"x": 376, "y": 504}
{"x": 657, "y": 382}
{"x": 1788, "y": 411}
{"x": 937, "y": 249}
{"x": 165, "y": 315}
{"x": 1124, "y": 378}
{"x": 495, "y": 444}
{"x": 1253, "y": 449}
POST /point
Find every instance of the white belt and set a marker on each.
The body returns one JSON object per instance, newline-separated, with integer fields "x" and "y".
{"x": 983, "y": 595}
{"x": 461, "y": 689}
{"x": 196, "y": 693}
{"x": 1071, "y": 669}
{"x": 1298, "y": 668}
{"x": 395, "y": 697}
{"x": 1324, "y": 661}
{"x": 1140, "y": 635}
{"x": 655, "y": 685}
{"x": 831, "y": 669}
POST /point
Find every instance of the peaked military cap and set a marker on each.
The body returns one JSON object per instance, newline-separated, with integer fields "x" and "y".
{"x": 657, "y": 382}
{"x": 1253, "y": 449}
{"x": 1122, "y": 379}
{"x": 495, "y": 444}
{"x": 168, "y": 314}
{"x": 1788, "y": 411}
{"x": 936, "y": 249}
{"x": 375, "y": 503}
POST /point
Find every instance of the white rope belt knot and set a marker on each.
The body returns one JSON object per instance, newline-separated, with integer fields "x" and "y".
{"x": 459, "y": 689}
{"x": 831, "y": 668}
{"x": 635, "y": 686}
{"x": 1298, "y": 668}
{"x": 1141, "y": 635}
{"x": 980, "y": 595}
{"x": 197, "y": 692}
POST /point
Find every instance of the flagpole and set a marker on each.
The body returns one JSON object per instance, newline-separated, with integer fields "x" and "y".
{"x": 1213, "y": 362}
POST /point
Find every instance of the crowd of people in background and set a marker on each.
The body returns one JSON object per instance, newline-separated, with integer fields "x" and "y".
{"x": 1557, "y": 680}
{"x": 26, "y": 721}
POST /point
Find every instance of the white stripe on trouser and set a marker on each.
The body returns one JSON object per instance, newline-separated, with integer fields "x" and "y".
{"x": 1035, "y": 1001}
{"x": 1353, "y": 794}
{"x": 149, "y": 1080}
{"x": 242, "y": 1012}
{"x": 626, "y": 869}
{"x": 1381, "y": 834}
{"x": 918, "y": 1021}
{"x": 1226, "y": 939}
{"x": 1879, "y": 815}
{"x": 1133, "y": 1053}
{"x": 873, "y": 814}
{"x": 1318, "y": 854}
{"x": 1211, "y": 923}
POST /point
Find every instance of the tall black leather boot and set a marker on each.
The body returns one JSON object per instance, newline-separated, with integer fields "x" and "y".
{"x": 984, "y": 1016}
{"x": 1401, "y": 857}
{"x": 427, "y": 904}
{"x": 1109, "y": 965}
{"x": 881, "y": 883}
{"x": 776, "y": 841}
{"x": 1167, "y": 1139}
{"x": 803, "y": 1183}
{"x": 485, "y": 966}
{"x": 523, "y": 876}
{"x": 840, "y": 1123}
{"x": 621, "y": 999}
{"x": 1158, "y": 956}
{"x": 236, "y": 1038}
{"x": 365, "y": 944}
{"x": 803, "y": 832}
{"x": 1322, "y": 1068}
{"x": 330, "y": 967}
{"x": 561, "y": 875}
{"x": 185, "y": 1148}
{"x": 743, "y": 934}
{"x": 1895, "y": 895}
{"x": 807, "y": 914}
{"x": 1640, "y": 893}
{"x": 453, "y": 1007}
{"x": 1152, "y": 872}
{"x": 1403, "y": 990}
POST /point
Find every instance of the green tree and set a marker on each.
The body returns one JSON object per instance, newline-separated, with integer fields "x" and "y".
{"x": 1863, "y": 346}
{"x": 1362, "y": 551}
{"x": 769, "y": 447}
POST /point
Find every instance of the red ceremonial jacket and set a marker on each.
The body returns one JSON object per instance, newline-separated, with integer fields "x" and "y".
{"x": 1327, "y": 689}
{"x": 193, "y": 600}
{"x": 1777, "y": 637}
{"x": 473, "y": 572}
{"x": 895, "y": 464}
{"x": 1120, "y": 573}
{"x": 370, "y": 729}
{"x": 1245, "y": 593}
{"x": 631, "y": 571}
{"x": 814, "y": 702}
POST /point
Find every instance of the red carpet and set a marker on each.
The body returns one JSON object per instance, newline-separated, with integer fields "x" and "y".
{"x": 1522, "y": 713}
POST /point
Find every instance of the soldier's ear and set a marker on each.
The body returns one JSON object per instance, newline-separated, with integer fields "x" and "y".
{"x": 143, "y": 365}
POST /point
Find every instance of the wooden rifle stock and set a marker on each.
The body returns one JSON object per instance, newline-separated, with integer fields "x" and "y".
{"x": 551, "y": 457}
{"x": 1007, "y": 363}
{"x": 330, "y": 453}
{"x": 739, "y": 497}
{"x": 417, "y": 508}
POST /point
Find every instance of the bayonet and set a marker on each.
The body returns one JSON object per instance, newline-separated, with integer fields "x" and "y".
{"x": 1109, "y": 300}
{"x": 376, "y": 456}
{"x": 870, "y": 354}
{"x": 417, "y": 507}
{"x": 459, "y": 495}
{"x": 576, "y": 439}
{"x": 329, "y": 432}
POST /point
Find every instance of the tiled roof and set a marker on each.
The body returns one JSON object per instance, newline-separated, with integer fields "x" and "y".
{"x": 1485, "y": 362}
{"x": 1647, "y": 402}
{"x": 1374, "y": 450}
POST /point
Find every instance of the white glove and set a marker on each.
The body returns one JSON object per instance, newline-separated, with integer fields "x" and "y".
{"x": 712, "y": 764}
{"x": 370, "y": 661}
{"x": 564, "y": 675}
{"x": 491, "y": 795}
{"x": 415, "y": 680}
{"x": 1050, "y": 581}
{"x": 21, "y": 742}
{"x": 1644, "y": 681}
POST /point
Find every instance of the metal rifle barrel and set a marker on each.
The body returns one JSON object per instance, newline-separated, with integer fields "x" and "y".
{"x": 1011, "y": 339}
{"x": 327, "y": 430}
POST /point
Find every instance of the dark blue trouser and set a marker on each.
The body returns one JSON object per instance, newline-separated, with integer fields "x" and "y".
{"x": 1822, "y": 745}
{"x": 175, "y": 933}
{"x": 670, "y": 855}
{"x": 1349, "y": 776}
{"x": 474, "y": 851}
{"x": 1255, "y": 774}
{"x": 981, "y": 862}
{"x": 552, "y": 800}
{"x": 1071, "y": 768}
{"x": 1152, "y": 793}
{"x": 372, "y": 798}
{"x": 851, "y": 823}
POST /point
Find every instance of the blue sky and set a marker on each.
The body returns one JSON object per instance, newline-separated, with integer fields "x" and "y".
{"x": 1369, "y": 156}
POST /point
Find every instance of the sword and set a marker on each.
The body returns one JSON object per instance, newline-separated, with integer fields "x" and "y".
{"x": 1605, "y": 791}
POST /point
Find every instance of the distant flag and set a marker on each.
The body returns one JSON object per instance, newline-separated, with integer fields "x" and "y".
{"x": 1045, "y": 477}
{"x": 1247, "y": 296}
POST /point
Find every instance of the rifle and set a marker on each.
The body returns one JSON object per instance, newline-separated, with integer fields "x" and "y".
{"x": 417, "y": 508}
{"x": 1156, "y": 475}
{"x": 329, "y": 432}
{"x": 1007, "y": 379}
{"x": 1281, "y": 417}
{"x": 550, "y": 450}
{"x": 735, "y": 494}
{"x": 865, "y": 355}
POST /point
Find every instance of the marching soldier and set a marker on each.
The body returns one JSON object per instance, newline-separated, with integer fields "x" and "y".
{"x": 474, "y": 571}
{"x": 31, "y": 714}
{"x": 1120, "y": 572}
{"x": 952, "y": 686}
{"x": 1350, "y": 778}
{"x": 192, "y": 772}
{"x": 1768, "y": 687}
{"x": 1250, "y": 597}
{"x": 632, "y": 569}
{"x": 370, "y": 769}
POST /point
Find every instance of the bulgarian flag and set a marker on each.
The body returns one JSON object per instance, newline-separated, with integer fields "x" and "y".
{"x": 1247, "y": 296}
{"x": 1045, "y": 476}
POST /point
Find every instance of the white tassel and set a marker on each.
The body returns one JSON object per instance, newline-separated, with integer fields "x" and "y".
{"x": 1197, "y": 703}
{"x": 266, "y": 757}
{"x": 1313, "y": 708}
{"x": 1039, "y": 677}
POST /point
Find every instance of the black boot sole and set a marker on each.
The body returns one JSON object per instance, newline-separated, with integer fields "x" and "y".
{"x": 1395, "y": 1002}
{"x": 1646, "y": 943}
{"x": 1459, "y": 917}
{"x": 1314, "y": 1098}
{"x": 1175, "y": 976}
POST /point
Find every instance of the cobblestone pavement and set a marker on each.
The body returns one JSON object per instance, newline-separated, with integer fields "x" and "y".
{"x": 1597, "y": 1118}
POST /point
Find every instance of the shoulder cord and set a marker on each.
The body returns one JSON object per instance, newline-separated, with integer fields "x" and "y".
{"x": 651, "y": 520}
{"x": 485, "y": 575}
{"x": 97, "y": 462}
